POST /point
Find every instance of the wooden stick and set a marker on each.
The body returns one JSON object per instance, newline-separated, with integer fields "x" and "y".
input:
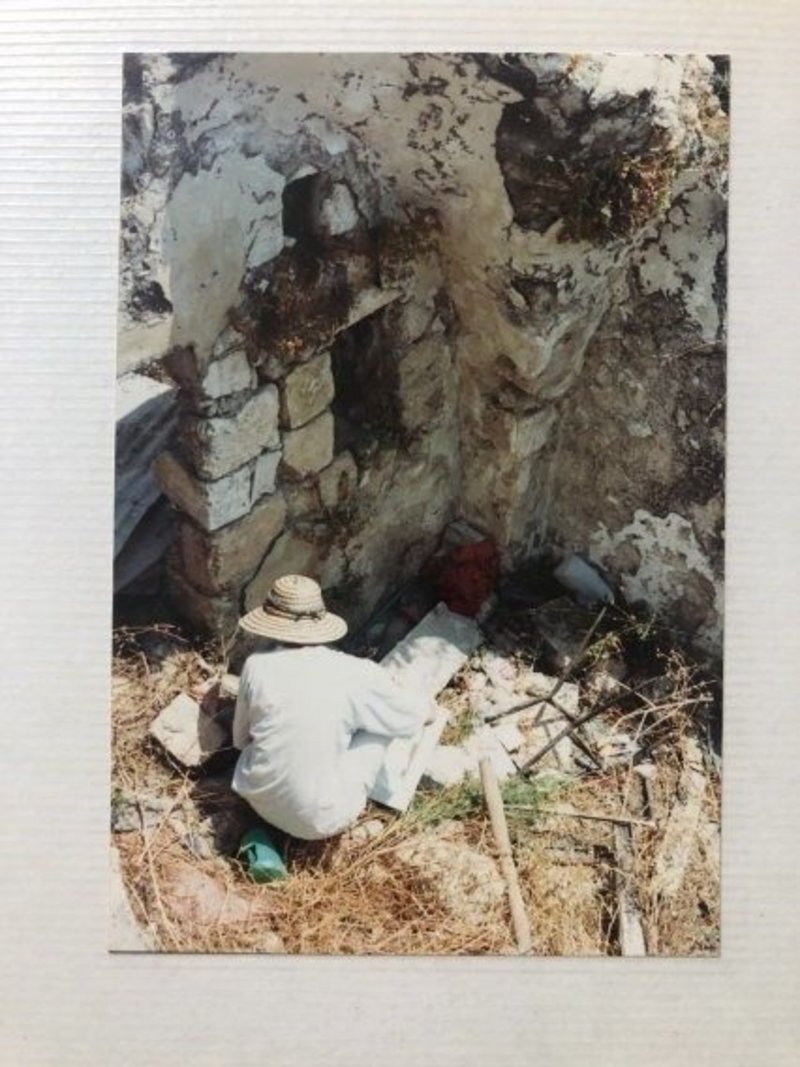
{"x": 549, "y": 698}
{"x": 561, "y": 734}
{"x": 629, "y": 919}
{"x": 604, "y": 706}
{"x": 599, "y": 816}
{"x": 575, "y": 663}
{"x": 494, "y": 803}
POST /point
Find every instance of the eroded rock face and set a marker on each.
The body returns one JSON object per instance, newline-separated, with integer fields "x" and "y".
{"x": 509, "y": 270}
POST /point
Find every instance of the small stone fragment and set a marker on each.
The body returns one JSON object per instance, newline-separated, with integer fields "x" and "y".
{"x": 187, "y": 732}
{"x": 198, "y": 898}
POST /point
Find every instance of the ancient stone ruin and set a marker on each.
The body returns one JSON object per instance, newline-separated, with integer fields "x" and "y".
{"x": 374, "y": 294}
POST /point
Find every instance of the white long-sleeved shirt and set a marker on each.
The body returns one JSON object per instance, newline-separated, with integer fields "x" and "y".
{"x": 296, "y": 714}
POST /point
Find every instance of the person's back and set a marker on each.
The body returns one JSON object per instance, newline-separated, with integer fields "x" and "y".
{"x": 313, "y": 724}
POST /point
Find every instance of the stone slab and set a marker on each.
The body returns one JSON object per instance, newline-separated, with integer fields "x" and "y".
{"x": 266, "y": 473}
{"x": 186, "y": 732}
{"x": 438, "y": 646}
{"x": 211, "y": 504}
{"x": 146, "y": 419}
{"x": 307, "y": 391}
{"x": 423, "y": 663}
{"x": 309, "y": 449}
{"x": 217, "y": 446}
{"x": 226, "y": 373}
{"x": 217, "y": 561}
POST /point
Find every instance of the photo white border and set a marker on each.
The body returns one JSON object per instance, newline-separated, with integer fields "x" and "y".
{"x": 66, "y": 1000}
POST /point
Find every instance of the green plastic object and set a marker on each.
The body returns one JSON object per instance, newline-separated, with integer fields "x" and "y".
{"x": 264, "y": 863}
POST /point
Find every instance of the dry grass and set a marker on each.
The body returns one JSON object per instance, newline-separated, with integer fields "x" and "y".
{"x": 352, "y": 895}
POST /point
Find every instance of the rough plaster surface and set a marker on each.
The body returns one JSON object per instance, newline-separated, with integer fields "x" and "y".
{"x": 666, "y": 565}
{"x": 580, "y": 239}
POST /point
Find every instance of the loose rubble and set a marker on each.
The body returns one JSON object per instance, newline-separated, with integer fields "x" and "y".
{"x": 619, "y": 817}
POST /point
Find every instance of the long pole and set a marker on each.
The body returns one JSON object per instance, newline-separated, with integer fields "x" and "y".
{"x": 497, "y": 816}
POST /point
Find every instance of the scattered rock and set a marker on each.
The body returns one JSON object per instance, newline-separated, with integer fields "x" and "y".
{"x": 675, "y": 847}
{"x": 509, "y": 735}
{"x": 197, "y": 897}
{"x": 271, "y": 943}
{"x": 198, "y": 844}
{"x": 467, "y": 882}
{"x": 499, "y": 670}
{"x": 362, "y": 833}
{"x": 476, "y": 681}
{"x": 606, "y": 681}
{"x": 537, "y": 735}
{"x": 130, "y": 812}
{"x": 484, "y": 742}
{"x": 446, "y": 767}
{"x": 537, "y": 684}
{"x": 646, "y": 770}
{"x": 187, "y": 732}
{"x": 615, "y": 747}
{"x": 562, "y": 624}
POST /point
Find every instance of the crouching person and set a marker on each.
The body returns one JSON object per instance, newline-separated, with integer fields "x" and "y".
{"x": 313, "y": 723}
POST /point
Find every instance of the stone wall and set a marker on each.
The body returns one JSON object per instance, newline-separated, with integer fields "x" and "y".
{"x": 319, "y": 435}
{"x": 395, "y": 289}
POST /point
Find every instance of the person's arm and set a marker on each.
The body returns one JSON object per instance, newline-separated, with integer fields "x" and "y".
{"x": 383, "y": 707}
{"x": 241, "y": 715}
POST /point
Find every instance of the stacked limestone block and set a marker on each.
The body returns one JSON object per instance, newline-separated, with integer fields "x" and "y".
{"x": 259, "y": 473}
{"x": 221, "y": 477}
{"x": 362, "y": 518}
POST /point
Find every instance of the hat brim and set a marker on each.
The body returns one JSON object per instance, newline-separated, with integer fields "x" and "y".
{"x": 301, "y": 631}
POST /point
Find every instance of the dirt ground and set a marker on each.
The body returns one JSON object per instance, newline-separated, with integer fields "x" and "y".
{"x": 427, "y": 882}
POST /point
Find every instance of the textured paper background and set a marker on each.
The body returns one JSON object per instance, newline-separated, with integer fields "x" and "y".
{"x": 65, "y": 1000}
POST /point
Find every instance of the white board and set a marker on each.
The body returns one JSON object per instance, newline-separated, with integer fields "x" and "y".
{"x": 423, "y": 663}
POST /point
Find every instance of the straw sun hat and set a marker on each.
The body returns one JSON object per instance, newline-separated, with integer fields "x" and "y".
{"x": 294, "y": 611}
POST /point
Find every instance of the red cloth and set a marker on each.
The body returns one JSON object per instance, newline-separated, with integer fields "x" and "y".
{"x": 467, "y": 575}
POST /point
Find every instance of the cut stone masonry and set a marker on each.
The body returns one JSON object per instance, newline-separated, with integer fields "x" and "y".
{"x": 396, "y": 293}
